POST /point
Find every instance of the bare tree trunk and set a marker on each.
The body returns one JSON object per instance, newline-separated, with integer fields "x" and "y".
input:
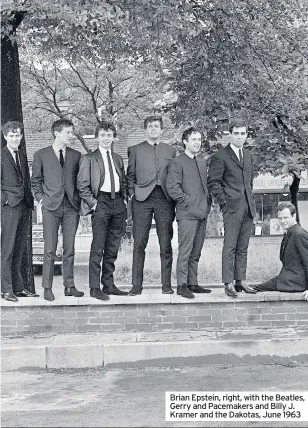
{"x": 294, "y": 188}
{"x": 84, "y": 144}
{"x": 11, "y": 109}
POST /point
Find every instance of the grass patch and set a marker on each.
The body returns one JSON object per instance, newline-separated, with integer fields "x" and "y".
{"x": 263, "y": 261}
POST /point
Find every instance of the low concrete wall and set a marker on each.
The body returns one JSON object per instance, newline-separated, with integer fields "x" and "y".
{"x": 148, "y": 313}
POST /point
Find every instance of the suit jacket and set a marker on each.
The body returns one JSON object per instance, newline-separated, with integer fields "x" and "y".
{"x": 294, "y": 257}
{"x": 228, "y": 180}
{"x": 91, "y": 177}
{"x": 15, "y": 188}
{"x": 192, "y": 198}
{"x": 50, "y": 181}
{"x": 144, "y": 168}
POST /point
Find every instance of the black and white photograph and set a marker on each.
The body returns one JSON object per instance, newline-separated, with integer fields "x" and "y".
{"x": 154, "y": 213}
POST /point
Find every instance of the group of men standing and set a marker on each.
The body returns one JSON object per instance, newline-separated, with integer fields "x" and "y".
{"x": 158, "y": 183}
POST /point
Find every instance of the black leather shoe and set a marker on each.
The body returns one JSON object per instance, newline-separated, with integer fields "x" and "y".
{"x": 184, "y": 291}
{"x": 244, "y": 287}
{"x": 25, "y": 293}
{"x": 72, "y": 291}
{"x": 115, "y": 291}
{"x": 97, "y": 293}
{"x": 230, "y": 290}
{"x": 198, "y": 289}
{"x": 10, "y": 297}
{"x": 167, "y": 289}
{"x": 48, "y": 295}
{"x": 135, "y": 290}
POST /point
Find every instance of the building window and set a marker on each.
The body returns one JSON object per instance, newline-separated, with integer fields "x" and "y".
{"x": 265, "y": 222}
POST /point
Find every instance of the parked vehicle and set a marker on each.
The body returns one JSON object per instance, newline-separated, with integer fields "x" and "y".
{"x": 38, "y": 243}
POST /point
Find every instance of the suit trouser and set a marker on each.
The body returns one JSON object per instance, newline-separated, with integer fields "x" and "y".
{"x": 13, "y": 244}
{"x": 142, "y": 213}
{"x": 66, "y": 216}
{"x": 108, "y": 225}
{"x": 191, "y": 234}
{"x": 270, "y": 285}
{"x": 237, "y": 227}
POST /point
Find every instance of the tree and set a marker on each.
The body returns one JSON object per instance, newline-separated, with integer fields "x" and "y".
{"x": 12, "y": 14}
{"x": 87, "y": 90}
{"x": 249, "y": 59}
{"x": 220, "y": 59}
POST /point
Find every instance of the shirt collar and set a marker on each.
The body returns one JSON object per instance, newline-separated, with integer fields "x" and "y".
{"x": 103, "y": 150}
{"x": 191, "y": 156}
{"x": 57, "y": 148}
{"x": 11, "y": 151}
{"x": 152, "y": 144}
{"x": 235, "y": 149}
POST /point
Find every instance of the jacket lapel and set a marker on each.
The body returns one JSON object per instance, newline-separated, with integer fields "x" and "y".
{"x": 286, "y": 238}
{"x": 10, "y": 158}
{"x": 55, "y": 160}
{"x": 284, "y": 244}
{"x": 234, "y": 157}
{"x": 117, "y": 167}
{"x": 202, "y": 173}
{"x": 100, "y": 162}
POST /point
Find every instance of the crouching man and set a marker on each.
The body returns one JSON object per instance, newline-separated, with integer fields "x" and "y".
{"x": 293, "y": 276}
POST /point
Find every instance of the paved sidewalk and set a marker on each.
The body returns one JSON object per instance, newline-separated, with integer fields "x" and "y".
{"x": 152, "y": 294}
{"x": 253, "y": 346}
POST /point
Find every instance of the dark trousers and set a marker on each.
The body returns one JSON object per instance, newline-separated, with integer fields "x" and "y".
{"x": 13, "y": 245}
{"x": 108, "y": 224}
{"x": 270, "y": 285}
{"x": 142, "y": 213}
{"x": 66, "y": 216}
{"x": 191, "y": 234}
{"x": 237, "y": 227}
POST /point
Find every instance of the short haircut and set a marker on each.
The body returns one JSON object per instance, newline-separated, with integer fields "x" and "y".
{"x": 106, "y": 126}
{"x": 283, "y": 205}
{"x": 237, "y": 123}
{"x": 187, "y": 133}
{"x": 12, "y": 126}
{"x": 151, "y": 119}
{"x": 58, "y": 125}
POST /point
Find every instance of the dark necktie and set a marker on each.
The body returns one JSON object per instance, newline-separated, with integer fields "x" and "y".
{"x": 17, "y": 162}
{"x": 61, "y": 158}
{"x": 283, "y": 243}
{"x": 157, "y": 175}
{"x": 241, "y": 156}
{"x": 111, "y": 176}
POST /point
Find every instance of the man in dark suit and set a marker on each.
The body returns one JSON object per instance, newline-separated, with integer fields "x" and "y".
{"x": 16, "y": 202}
{"x": 102, "y": 186}
{"x": 187, "y": 185}
{"x": 146, "y": 177}
{"x": 230, "y": 181}
{"x": 293, "y": 276}
{"x": 54, "y": 181}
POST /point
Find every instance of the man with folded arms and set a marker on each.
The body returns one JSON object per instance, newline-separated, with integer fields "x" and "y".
{"x": 187, "y": 185}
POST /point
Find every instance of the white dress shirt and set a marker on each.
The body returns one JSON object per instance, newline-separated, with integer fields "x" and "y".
{"x": 236, "y": 150}
{"x": 57, "y": 149}
{"x": 152, "y": 142}
{"x": 106, "y": 187}
{"x": 12, "y": 153}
